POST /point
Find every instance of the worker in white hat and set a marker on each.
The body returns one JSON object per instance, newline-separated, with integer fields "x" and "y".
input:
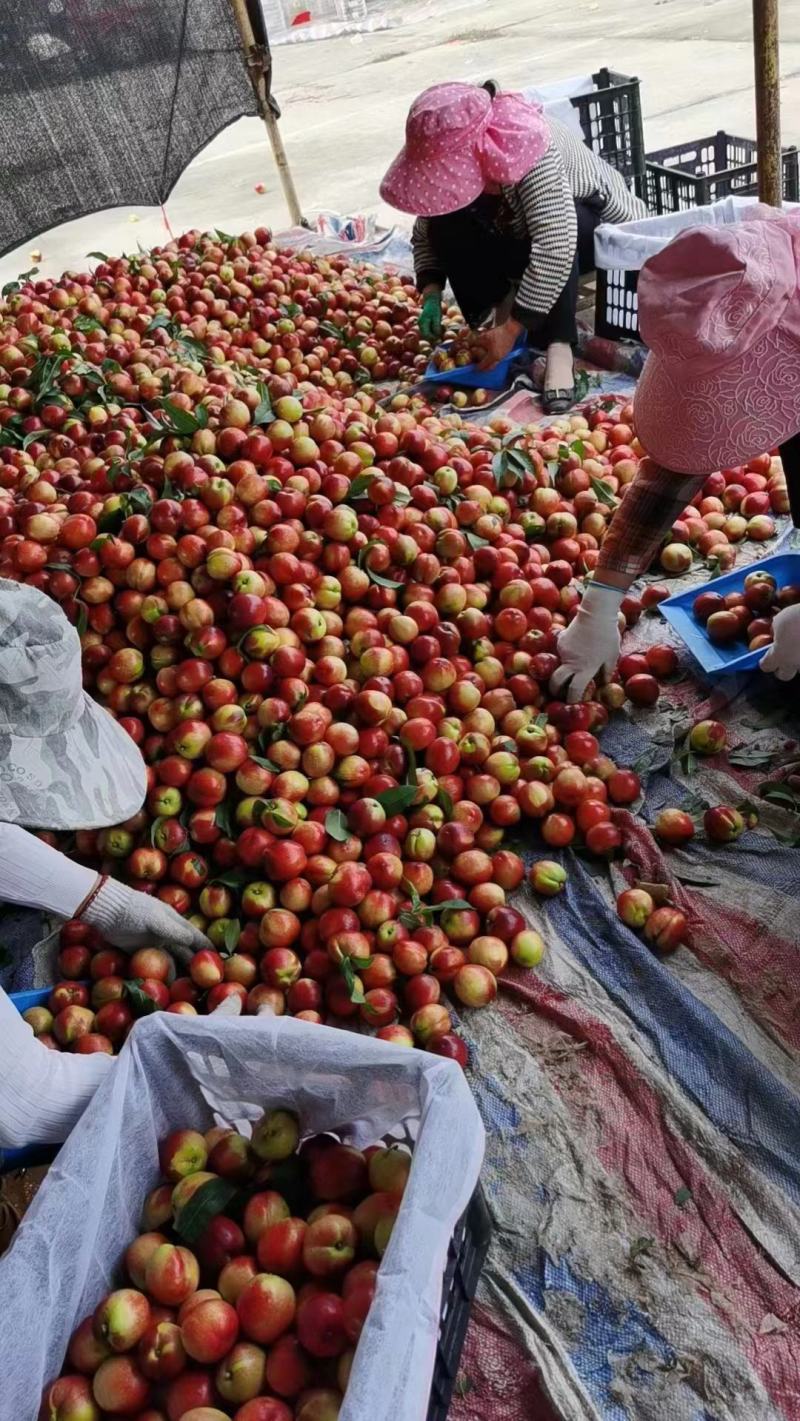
{"x": 65, "y": 764}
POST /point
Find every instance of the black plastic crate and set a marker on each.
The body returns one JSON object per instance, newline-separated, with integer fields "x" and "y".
{"x": 611, "y": 119}
{"x": 465, "y": 1259}
{"x": 616, "y": 305}
{"x": 696, "y": 174}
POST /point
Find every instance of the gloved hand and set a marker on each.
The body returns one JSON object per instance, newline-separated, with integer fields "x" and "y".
{"x": 430, "y": 317}
{"x": 129, "y": 920}
{"x": 591, "y": 642}
{"x": 783, "y": 657}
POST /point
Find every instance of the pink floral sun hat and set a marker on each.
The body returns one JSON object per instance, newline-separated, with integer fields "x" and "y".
{"x": 719, "y": 309}
{"x": 458, "y": 139}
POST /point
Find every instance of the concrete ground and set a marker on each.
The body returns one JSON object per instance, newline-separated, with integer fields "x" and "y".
{"x": 344, "y": 103}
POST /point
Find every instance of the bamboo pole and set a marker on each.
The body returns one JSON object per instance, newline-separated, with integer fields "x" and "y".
{"x": 768, "y": 101}
{"x": 255, "y": 59}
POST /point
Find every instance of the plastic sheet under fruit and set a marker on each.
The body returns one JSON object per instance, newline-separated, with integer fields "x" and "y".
{"x": 177, "y": 1072}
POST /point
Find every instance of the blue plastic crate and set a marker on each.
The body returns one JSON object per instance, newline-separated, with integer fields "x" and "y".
{"x": 495, "y": 379}
{"x": 28, "y": 1156}
{"x": 36, "y": 998}
{"x": 724, "y": 660}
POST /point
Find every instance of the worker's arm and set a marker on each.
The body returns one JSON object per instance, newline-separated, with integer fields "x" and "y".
{"x": 34, "y": 875}
{"x": 591, "y": 643}
{"x": 42, "y": 1092}
{"x": 653, "y": 502}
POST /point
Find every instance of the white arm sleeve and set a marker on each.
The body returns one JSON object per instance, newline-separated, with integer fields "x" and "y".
{"x": 42, "y": 1092}
{"x": 34, "y": 875}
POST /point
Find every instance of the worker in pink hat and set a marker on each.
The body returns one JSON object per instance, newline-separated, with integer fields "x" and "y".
{"x": 506, "y": 201}
{"x": 719, "y": 309}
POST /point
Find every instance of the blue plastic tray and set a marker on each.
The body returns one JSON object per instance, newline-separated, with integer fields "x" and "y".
{"x": 27, "y": 1156}
{"x": 472, "y": 377}
{"x": 724, "y": 660}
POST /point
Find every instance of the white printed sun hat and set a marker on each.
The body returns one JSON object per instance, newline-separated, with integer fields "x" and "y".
{"x": 65, "y": 763}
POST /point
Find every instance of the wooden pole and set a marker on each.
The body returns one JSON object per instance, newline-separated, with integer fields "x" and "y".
{"x": 768, "y": 101}
{"x": 255, "y": 58}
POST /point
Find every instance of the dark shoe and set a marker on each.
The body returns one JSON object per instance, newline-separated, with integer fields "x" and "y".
{"x": 558, "y": 401}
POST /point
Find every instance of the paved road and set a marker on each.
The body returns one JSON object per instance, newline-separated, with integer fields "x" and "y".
{"x": 344, "y": 102}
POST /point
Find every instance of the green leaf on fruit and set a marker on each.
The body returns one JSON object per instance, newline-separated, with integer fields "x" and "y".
{"x": 223, "y": 818}
{"x": 230, "y": 936}
{"x": 98, "y": 256}
{"x": 694, "y": 804}
{"x": 154, "y": 828}
{"x": 583, "y": 383}
{"x": 224, "y": 237}
{"x": 355, "y": 987}
{"x": 181, "y": 421}
{"x": 412, "y": 778}
{"x": 336, "y": 825}
{"x": 141, "y": 1003}
{"x": 751, "y": 759}
{"x": 233, "y": 878}
{"x": 158, "y": 323}
{"x": 12, "y": 287}
{"x": 361, "y": 964}
{"x": 212, "y": 1198}
{"x": 603, "y": 493}
{"x": 445, "y": 803}
{"x": 194, "y": 349}
{"x": 780, "y": 794}
{"x": 82, "y": 620}
{"x": 449, "y": 903}
{"x": 87, "y": 325}
{"x": 329, "y": 329}
{"x": 272, "y": 808}
{"x": 359, "y": 485}
{"x": 398, "y": 799}
{"x": 402, "y": 496}
{"x": 271, "y": 733}
{"x": 476, "y": 542}
{"x": 382, "y": 581}
{"x": 263, "y": 412}
{"x": 265, "y": 764}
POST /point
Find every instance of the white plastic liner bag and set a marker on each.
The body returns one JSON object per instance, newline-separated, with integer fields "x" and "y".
{"x": 556, "y": 95}
{"x": 177, "y": 1072}
{"x": 627, "y": 246}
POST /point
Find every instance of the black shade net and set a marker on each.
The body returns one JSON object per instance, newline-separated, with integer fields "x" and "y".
{"x": 103, "y": 103}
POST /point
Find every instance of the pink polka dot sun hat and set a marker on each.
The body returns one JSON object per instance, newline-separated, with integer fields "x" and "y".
{"x": 719, "y": 309}
{"x": 458, "y": 139}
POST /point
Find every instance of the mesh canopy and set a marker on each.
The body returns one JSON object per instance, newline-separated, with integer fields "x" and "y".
{"x": 105, "y": 102}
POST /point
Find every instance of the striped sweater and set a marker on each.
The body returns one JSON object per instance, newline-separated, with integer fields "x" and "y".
{"x": 542, "y": 206}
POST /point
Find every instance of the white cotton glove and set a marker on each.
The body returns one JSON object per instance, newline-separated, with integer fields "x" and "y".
{"x": 130, "y": 919}
{"x": 591, "y": 643}
{"x": 783, "y": 657}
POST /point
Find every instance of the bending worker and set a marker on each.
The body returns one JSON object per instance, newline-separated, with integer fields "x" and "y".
{"x": 719, "y": 309}
{"x": 506, "y": 201}
{"x": 65, "y": 763}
